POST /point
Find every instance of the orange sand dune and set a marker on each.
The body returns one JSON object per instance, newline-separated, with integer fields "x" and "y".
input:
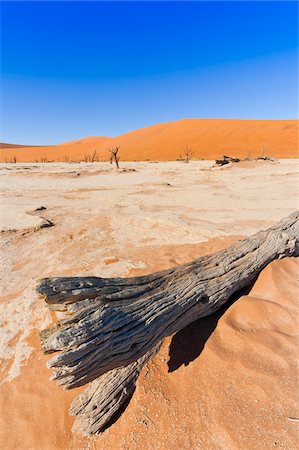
{"x": 209, "y": 139}
{"x": 93, "y": 140}
{"x": 5, "y": 145}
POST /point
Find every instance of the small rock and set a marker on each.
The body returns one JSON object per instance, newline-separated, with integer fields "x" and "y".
{"x": 46, "y": 223}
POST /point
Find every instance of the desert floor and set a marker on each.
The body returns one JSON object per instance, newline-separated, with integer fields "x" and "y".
{"x": 225, "y": 382}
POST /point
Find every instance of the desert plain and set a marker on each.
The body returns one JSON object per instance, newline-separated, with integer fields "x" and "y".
{"x": 228, "y": 381}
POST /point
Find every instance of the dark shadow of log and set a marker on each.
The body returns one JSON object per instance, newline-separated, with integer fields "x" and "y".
{"x": 187, "y": 344}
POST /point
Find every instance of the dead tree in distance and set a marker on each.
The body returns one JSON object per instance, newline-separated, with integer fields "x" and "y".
{"x": 94, "y": 156}
{"x": 114, "y": 155}
{"x": 188, "y": 153}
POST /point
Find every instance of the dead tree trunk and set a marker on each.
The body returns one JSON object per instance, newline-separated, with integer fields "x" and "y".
{"x": 115, "y": 325}
{"x": 114, "y": 156}
{"x": 188, "y": 153}
{"x": 104, "y": 398}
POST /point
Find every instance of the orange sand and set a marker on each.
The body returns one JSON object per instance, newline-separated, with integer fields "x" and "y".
{"x": 209, "y": 139}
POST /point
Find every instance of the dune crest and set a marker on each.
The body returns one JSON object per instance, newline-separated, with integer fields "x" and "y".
{"x": 209, "y": 139}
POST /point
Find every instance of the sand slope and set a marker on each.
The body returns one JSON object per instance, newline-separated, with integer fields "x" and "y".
{"x": 5, "y": 145}
{"x": 209, "y": 139}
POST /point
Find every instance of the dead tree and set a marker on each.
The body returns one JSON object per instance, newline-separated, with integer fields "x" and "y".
{"x": 86, "y": 158}
{"x": 263, "y": 155}
{"x": 114, "y": 155}
{"x": 94, "y": 156}
{"x": 188, "y": 153}
{"x": 115, "y": 325}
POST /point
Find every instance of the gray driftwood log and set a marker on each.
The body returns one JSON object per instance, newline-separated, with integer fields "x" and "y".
{"x": 106, "y": 396}
{"x": 116, "y": 325}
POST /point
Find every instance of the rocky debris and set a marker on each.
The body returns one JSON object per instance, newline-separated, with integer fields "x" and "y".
{"x": 226, "y": 160}
{"x": 46, "y": 223}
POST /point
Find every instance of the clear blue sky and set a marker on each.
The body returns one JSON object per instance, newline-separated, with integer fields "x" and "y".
{"x": 73, "y": 69}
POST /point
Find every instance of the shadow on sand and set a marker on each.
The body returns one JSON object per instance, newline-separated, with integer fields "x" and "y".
{"x": 187, "y": 344}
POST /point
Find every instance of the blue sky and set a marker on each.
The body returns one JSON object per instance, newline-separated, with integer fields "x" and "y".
{"x": 73, "y": 69}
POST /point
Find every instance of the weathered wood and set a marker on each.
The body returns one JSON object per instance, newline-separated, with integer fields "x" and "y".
{"x": 106, "y": 396}
{"x": 117, "y": 321}
{"x": 226, "y": 160}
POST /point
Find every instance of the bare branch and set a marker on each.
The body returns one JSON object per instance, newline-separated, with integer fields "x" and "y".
{"x": 188, "y": 153}
{"x": 114, "y": 155}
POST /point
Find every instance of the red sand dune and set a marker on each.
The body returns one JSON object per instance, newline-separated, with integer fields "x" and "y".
{"x": 209, "y": 139}
{"x": 5, "y": 145}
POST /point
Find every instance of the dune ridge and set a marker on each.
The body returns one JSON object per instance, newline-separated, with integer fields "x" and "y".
{"x": 209, "y": 139}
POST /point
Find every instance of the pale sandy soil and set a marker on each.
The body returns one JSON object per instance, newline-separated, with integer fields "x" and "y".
{"x": 225, "y": 382}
